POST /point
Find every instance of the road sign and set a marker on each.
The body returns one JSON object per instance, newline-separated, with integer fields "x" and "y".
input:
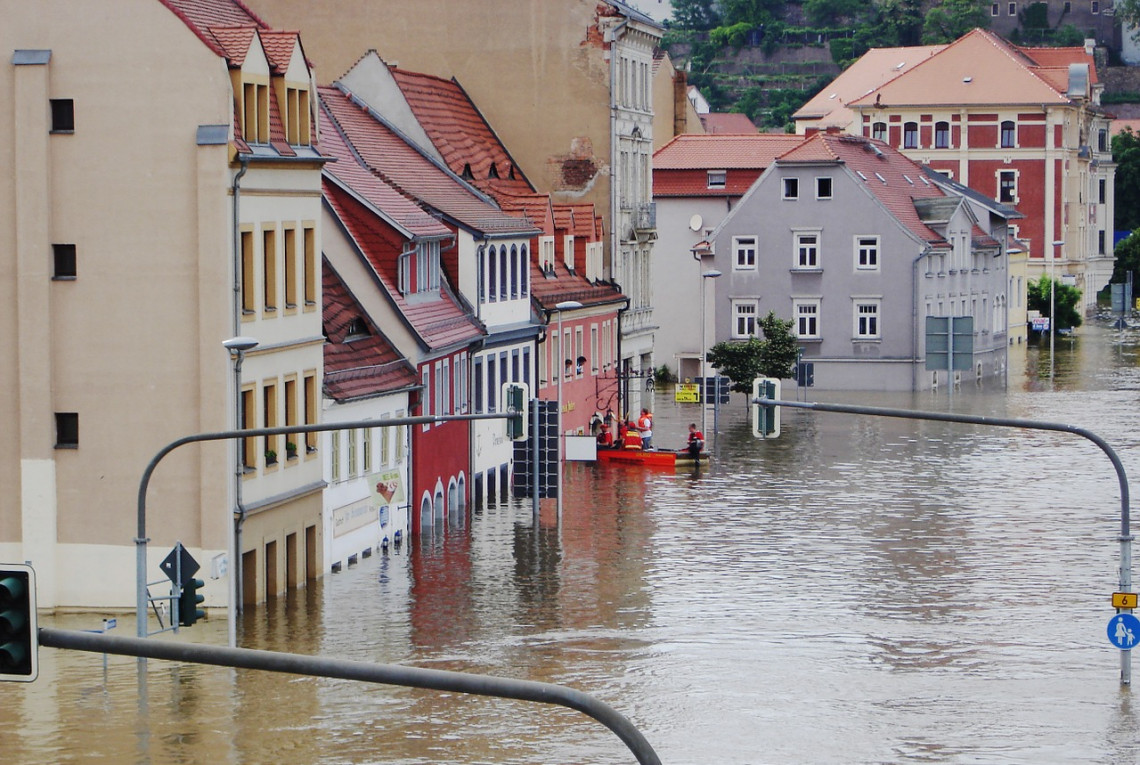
{"x": 1124, "y": 600}
{"x": 1124, "y": 631}
{"x": 189, "y": 566}
{"x": 687, "y": 393}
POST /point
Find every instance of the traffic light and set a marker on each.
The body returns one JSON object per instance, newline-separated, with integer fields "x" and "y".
{"x": 19, "y": 640}
{"x": 516, "y": 398}
{"x": 188, "y": 611}
{"x": 765, "y": 419}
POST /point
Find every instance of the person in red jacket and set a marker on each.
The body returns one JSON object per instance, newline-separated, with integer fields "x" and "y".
{"x": 696, "y": 442}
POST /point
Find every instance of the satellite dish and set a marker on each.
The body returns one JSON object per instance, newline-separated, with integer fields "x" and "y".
{"x": 695, "y": 223}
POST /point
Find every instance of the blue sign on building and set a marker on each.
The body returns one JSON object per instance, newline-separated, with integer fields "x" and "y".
{"x": 1124, "y": 631}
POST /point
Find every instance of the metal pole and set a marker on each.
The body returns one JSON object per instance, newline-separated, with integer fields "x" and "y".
{"x": 388, "y": 674}
{"x": 234, "y": 568}
{"x": 534, "y": 431}
{"x": 704, "y": 376}
{"x": 561, "y": 373}
{"x": 1004, "y": 422}
{"x": 1052, "y": 311}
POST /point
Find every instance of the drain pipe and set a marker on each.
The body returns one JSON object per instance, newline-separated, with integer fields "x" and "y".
{"x": 239, "y": 507}
{"x": 914, "y": 317}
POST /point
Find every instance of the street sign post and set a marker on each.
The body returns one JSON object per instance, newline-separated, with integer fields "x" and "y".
{"x": 1124, "y": 631}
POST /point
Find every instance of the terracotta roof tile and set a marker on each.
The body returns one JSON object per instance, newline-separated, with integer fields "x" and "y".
{"x": 459, "y": 132}
{"x": 357, "y": 365}
{"x": 234, "y": 42}
{"x": 411, "y": 172}
{"x": 731, "y": 123}
{"x": 895, "y": 180}
{"x": 691, "y": 151}
{"x": 202, "y": 15}
{"x": 440, "y": 323}
{"x": 279, "y": 47}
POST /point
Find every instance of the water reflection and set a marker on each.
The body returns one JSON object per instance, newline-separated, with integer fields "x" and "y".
{"x": 859, "y": 590}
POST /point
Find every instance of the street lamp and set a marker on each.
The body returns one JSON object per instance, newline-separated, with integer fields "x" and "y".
{"x": 712, "y": 273}
{"x": 237, "y": 346}
{"x": 1052, "y": 300}
{"x": 560, "y": 370}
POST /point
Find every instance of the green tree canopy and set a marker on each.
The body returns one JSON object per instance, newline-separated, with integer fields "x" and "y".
{"x": 1127, "y": 259}
{"x": 1126, "y": 155}
{"x": 953, "y": 18}
{"x": 698, "y": 15}
{"x": 1065, "y": 298}
{"x": 742, "y": 361}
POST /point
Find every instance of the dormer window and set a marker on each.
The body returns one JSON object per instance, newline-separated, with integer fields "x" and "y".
{"x": 357, "y": 330}
{"x": 255, "y": 112}
{"x": 419, "y": 269}
{"x": 493, "y": 172}
{"x": 467, "y": 175}
{"x": 298, "y": 127}
{"x": 717, "y": 179}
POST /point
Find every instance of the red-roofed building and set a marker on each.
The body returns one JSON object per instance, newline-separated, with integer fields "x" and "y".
{"x": 366, "y": 378}
{"x": 1022, "y": 125}
{"x": 161, "y": 196}
{"x": 858, "y": 246}
{"x": 697, "y": 181}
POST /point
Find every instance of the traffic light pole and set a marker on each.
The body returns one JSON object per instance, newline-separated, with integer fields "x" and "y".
{"x": 141, "y": 538}
{"x": 1125, "y": 537}
{"x": 388, "y": 674}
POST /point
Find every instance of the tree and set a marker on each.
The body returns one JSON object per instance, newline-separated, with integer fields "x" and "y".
{"x": 1127, "y": 255}
{"x": 1066, "y": 299}
{"x": 952, "y": 19}
{"x": 1126, "y": 155}
{"x": 698, "y": 15}
{"x": 742, "y": 361}
{"x": 1128, "y": 15}
{"x": 825, "y": 13}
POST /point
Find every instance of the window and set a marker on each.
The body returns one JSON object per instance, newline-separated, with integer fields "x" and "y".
{"x": 297, "y": 117}
{"x": 248, "y": 422}
{"x": 1007, "y": 187}
{"x": 579, "y": 359}
{"x": 994, "y": 9}
{"x": 248, "y": 292}
{"x": 867, "y": 253}
{"x": 1100, "y": 242}
{"x": 1095, "y": 6}
{"x": 269, "y": 254}
{"x": 524, "y": 260}
{"x": 492, "y": 391}
{"x": 386, "y": 443}
{"x": 291, "y": 415}
{"x": 503, "y": 273}
{"x": 1102, "y": 190}
{"x": 515, "y": 267}
{"x": 63, "y": 258}
{"x": 492, "y": 274}
{"x": 269, "y": 420}
{"x": 867, "y": 320}
{"x": 478, "y": 385}
{"x": 290, "y": 236}
{"x": 791, "y": 188}
{"x": 717, "y": 179}
{"x": 526, "y": 365}
{"x": 334, "y": 455}
{"x": 353, "y": 467}
{"x": 745, "y": 249}
{"x": 594, "y": 348}
{"x": 1068, "y": 6}
{"x": 806, "y": 314}
{"x": 1008, "y": 134}
{"x": 1013, "y": 9}
{"x": 823, "y": 187}
{"x": 255, "y": 114}
{"x": 942, "y": 135}
{"x": 66, "y": 430}
{"x": 366, "y": 450}
{"x": 401, "y": 438}
{"x": 743, "y": 318}
{"x": 310, "y": 410}
{"x": 62, "y": 115}
{"x": 910, "y": 135}
{"x": 807, "y": 251}
{"x": 879, "y": 131}
{"x": 1102, "y": 140}
{"x": 310, "y": 243}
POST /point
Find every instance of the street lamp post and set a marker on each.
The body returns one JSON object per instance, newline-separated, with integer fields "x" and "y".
{"x": 1052, "y": 301}
{"x": 712, "y": 273}
{"x": 565, "y": 305}
{"x": 237, "y": 346}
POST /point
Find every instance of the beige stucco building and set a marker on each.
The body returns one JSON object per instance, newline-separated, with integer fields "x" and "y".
{"x": 122, "y": 274}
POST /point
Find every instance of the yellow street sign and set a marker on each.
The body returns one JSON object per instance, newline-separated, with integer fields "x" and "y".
{"x": 687, "y": 393}
{"x": 1124, "y": 600}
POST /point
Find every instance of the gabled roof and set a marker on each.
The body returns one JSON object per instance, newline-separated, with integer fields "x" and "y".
{"x": 357, "y": 365}
{"x": 548, "y": 290}
{"x": 203, "y": 15}
{"x": 732, "y": 123}
{"x": 691, "y": 151}
{"x": 411, "y": 172}
{"x": 460, "y": 133}
{"x": 874, "y": 68}
{"x": 439, "y": 323}
{"x": 895, "y": 180}
{"x": 981, "y": 68}
{"x": 535, "y": 208}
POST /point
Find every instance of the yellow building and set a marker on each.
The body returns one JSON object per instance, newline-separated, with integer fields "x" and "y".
{"x": 139, "y": 132}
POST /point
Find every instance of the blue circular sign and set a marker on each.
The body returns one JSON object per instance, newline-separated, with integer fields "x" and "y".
{"x": 1124, "y": 631}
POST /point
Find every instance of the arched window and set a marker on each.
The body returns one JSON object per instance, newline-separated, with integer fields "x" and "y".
{"x": 524, "y": 258}
{"x": 879, "y": 131}
{"x": 910, "y": 135}
{"x": 942, "y": 135}
{"x": 1008, "y": 134}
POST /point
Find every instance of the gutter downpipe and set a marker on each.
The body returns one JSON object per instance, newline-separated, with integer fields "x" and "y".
{"x": 615, "y": 235}
{"x": 914, "y": 318}
{"x": 239, "y": 507}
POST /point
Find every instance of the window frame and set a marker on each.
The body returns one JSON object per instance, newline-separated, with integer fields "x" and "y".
{"x": 910, "y": 135}
{"x": 741, "y": 313}
{"x": 802, "y": 248}
{"x": 717, "y": 179}
{"x": 824, "y": 187}
{"x": 790, "y": 188}
{"x": 942, "y": 134}
{"x": 813, "y": 316}
{"x": 873, "y": 318}
{"x": 1007, "y": 134}
{"x": 872, "y": 244}
{"x": 1002, "y": 175}
{"x": 740, "y": 247}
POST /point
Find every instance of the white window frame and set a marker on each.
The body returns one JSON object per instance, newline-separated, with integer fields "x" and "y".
{"x": 872, "y": 328}
{"x": 748, "y": 247}
{"x": 748, "y": 311}
{"x": 1016, "y": 177}
{"x": 820, "y": 182}
{"x": 790, "y": 185}
{"x": 869, "y": 245}
{"x": 802, "y": 308}
{"x": 800, "y": 248}
{"x": 717, "y": 179}
{"x": 906, "y": 133}
{"x": 880, "y": 131}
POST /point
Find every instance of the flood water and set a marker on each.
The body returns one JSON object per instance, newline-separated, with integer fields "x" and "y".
{"x": 859, "y": 590}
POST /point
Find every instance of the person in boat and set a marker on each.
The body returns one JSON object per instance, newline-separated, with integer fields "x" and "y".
{"x": 605, "y": 438}
{"x": 632, "y": 438}
{"x": 696, "y": 443}
{"x": 645, "y": 427}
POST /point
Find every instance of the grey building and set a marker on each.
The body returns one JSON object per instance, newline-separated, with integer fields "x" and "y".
{"x": 857, "y": 245}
